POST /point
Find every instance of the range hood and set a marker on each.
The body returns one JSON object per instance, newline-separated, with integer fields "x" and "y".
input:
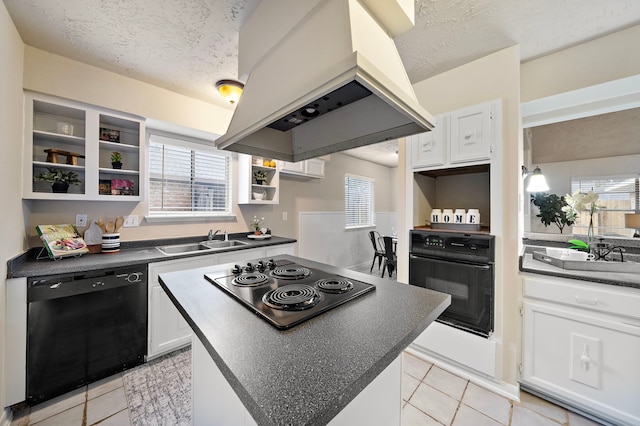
{"x": 334, "y": 82}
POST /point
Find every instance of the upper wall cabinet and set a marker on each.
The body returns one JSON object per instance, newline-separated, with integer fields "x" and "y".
{"x": 258, "y": 180}
{"x": 67, "y": 137}
{"x": 464, "y": 136}
{"x": 429, "y": 148}
{"x": 313, "y": 168}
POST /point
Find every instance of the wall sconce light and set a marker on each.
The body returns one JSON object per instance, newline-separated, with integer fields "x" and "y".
{"x": 537, "y": 181}
{"x": 632, "y": 220}
{"x": 230, "y": 90}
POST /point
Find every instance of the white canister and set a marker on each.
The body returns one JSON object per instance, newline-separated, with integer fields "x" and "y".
{"x": 436, "y": 216}
{"x": 459, "y": 216}
{"x": 111, "y": 243}
{"x": 447, "y": 216}
{"x": 473, "y": 216}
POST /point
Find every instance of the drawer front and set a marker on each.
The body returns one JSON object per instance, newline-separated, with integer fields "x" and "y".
{"x": 598, "y": 297}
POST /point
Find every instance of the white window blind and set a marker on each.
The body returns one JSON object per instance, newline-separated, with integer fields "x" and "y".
{"x": 617, "y": 195}
{"x": 186, "y": 179}
{"x": 358, "y": 201}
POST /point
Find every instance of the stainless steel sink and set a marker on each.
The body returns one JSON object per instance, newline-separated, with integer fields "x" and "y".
{"x": 182, "y": 248}
{"x": 201, "y": 246}
{"x": 215, "y": 244}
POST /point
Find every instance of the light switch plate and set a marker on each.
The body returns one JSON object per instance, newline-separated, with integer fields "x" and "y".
{"x": 130, "y": 221}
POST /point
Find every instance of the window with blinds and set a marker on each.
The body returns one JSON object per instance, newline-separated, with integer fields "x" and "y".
{"x": 188, "y": 179}
{"x": 617, "y": 195}
{"x": 358, "y": 201}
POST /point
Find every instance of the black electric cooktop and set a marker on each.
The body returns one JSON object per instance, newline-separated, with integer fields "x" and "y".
{"x": 286, "y": 293}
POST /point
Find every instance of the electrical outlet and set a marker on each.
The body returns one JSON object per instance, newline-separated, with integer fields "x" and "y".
{"x": 81, "y": 220}
{"x": 130, "y": 221}
{"x": 284, "y": 215}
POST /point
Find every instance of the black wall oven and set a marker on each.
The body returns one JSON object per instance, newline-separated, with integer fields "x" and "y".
{"x": 461, "y": 265}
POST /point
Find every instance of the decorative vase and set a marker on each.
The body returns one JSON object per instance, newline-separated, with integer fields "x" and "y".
{"x": 590, "y": 236}
{"x": 60, "y": 188}
{"x": 116, "y": 165}
{"x": 260, "y": 181}
{"x": 257, "y": 233}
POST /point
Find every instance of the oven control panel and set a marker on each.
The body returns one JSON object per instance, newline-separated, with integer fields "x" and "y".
{"x": 433, "y": 241}
{"x": 467, "y": 247}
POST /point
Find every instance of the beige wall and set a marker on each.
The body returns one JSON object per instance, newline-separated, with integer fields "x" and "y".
{"x": 11, "y": 67}
{"x": 52, "y": 74}
{"x": 495, "y": 76}
{"x": 604, "y": 59}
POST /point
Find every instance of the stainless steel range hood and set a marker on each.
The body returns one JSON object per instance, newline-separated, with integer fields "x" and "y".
{"x": 334, "y": 82}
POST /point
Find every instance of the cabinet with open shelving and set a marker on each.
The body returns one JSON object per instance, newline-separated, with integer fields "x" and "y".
{"x": 73, "y": 137}
{"x": 256, "y": 191}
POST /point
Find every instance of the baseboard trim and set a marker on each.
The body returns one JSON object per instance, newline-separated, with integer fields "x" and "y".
{"x": 504, "y": 389}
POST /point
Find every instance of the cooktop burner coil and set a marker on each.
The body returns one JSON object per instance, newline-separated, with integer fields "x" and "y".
{"x": 335, "y": 285}
{"x": 250, "y": 280}
{"x": 290, "y": 272}
{"x": 292, "y": 297}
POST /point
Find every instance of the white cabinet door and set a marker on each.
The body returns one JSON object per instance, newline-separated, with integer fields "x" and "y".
{"x": 586, "y": 359}
{"x": 296, "y": 168}
{"x": 314, "y": 168}
{"x": 240, "y": 256}
{"x": 167, "y": 328}
{"x": 308, "y": 168}
{"x": 280, "y": 249}
{"x": 429, "y": 148}
{"x": 471, "y": 136}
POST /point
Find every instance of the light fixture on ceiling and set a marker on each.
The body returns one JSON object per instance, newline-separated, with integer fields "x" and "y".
{"x": 537, "y": 181}
{"x": 632, "y": 220}
{"x": 230, "y": 90}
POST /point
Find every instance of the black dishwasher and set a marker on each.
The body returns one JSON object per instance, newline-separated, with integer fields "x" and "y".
{"x": 83, "y": 327}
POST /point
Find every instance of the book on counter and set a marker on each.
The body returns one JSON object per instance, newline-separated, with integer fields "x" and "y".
{"x": 62, "y": 240}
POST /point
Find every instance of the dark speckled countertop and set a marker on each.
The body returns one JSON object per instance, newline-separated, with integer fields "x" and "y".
{"x": 328, "y": 360}
{"x": 130, "y": 254}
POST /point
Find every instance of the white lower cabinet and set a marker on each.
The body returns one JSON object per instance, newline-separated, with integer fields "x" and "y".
{"x": 581, "y": 345}
{"x": 167, "y": 328}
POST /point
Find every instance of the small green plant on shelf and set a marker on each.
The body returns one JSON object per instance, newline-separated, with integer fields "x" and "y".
{"x": 260, "y": 176}
{"x": 59, "y": 179}
{"x": 116, "y": 160}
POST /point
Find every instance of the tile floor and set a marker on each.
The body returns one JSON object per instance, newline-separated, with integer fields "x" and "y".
{"x": 431, "y": 396}
{"x": 103, "y": 402}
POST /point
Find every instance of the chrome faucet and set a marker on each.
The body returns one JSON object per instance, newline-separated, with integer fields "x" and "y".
{"x": 211, "y": 235}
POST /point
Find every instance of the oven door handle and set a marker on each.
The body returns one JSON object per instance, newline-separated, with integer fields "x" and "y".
{"x": 483, "y": 266}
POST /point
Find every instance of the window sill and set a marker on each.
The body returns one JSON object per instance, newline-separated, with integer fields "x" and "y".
{"x": 373, "y": 225}
{"x": 190, "y": 218}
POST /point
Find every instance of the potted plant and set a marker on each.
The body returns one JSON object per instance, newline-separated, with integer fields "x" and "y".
{"x": 116, "y": 160}
{"x": 59, "y": 179}
{"x": 260, "y": 176}
{"x": 256, "y": 225}
{"x": 551, "y": 210}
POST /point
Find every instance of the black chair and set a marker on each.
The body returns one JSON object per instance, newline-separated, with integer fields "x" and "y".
{"x": 378, "y": 252}
{"x": 390, "y": 259}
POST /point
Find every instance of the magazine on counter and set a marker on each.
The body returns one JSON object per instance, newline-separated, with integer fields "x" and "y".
{"x": 62, "y": 240}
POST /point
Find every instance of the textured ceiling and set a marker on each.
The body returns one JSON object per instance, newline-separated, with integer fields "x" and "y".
{"x": 187, "y": 45}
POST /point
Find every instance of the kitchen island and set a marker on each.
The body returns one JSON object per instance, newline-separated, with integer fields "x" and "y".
{"x": 308, "y": 374}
